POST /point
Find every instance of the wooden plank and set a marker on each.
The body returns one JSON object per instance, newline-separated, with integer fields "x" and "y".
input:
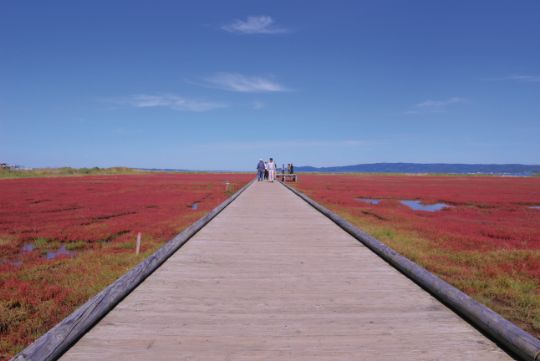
{"x": 270, "y": 278}
{"x": 57, "y": 340}
{"x": 500, "y": 329}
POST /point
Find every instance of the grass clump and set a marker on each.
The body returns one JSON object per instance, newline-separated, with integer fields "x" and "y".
{"x": 64, "y": 171}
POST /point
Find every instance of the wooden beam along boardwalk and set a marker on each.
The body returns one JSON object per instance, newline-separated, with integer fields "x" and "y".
{"x": 271, "y": 278}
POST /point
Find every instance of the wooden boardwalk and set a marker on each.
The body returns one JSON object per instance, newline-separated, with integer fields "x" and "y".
{"x": 270, "y": 278}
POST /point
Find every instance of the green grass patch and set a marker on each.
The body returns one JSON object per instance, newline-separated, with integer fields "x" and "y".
{"x": 66, "y": 171}
{"x": 41, "y": 243}
{"x": 74, "y": 246}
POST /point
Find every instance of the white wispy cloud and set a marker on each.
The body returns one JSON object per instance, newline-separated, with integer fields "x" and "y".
{"x": 172, "y": 101}
{"x": 521, "y": 78}
{"x": 434, "y": 106}
{"x": 254, "y": 25}
{"x": 257, "y": 105}
{"x": 244, "y": 84}
{"x": 524, "y": 78}
{"x": 289, "y": 144}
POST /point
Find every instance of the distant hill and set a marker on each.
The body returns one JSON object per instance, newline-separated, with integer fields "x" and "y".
{"x": 501, "y": 169}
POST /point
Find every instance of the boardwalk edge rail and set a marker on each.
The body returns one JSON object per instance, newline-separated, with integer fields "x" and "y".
{"x": 513, "y": 338}
{"x": 65, "y": 334}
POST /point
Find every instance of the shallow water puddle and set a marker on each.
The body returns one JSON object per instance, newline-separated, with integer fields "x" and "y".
{"x": 27, "y": 247}
{"x": 62, "y": 251}
{"x": 419, "y": 206}
{"x": 195, "y": 206}
{"x": 535, "y": 207}
{"x": 369, "y": 200}
{"x": 14, "y": 262}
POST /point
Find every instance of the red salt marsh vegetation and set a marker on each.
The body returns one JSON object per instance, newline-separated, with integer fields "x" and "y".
{"x": 484, "y": 239}
{"x": 63, "y": 239}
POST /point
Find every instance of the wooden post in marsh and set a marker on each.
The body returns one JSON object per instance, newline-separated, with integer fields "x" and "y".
{"x": 138, "y": 246}
{"x": 227, "y": 184}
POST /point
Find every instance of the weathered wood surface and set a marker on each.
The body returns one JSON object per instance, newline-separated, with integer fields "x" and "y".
{"x": 58, "y": 339}
{"x": 270, "y": 278}
{"x": 515, "y": 339}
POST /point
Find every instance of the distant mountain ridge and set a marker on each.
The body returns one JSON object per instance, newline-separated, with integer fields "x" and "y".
{"x": 501, "y": 169}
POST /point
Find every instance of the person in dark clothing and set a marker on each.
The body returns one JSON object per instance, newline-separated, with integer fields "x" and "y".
{"x": 260, "y": 170}
{"x": 291, "y": 171}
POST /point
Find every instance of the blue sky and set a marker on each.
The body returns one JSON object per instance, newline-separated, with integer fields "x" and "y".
{"x": 219, "y": 84}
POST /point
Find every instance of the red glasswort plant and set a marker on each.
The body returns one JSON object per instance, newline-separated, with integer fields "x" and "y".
{"x": 487, "y": 242}
{"x": 63, "y": 239}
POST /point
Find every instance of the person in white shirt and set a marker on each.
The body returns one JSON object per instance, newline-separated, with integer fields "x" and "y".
{"x": 271, "y": 170}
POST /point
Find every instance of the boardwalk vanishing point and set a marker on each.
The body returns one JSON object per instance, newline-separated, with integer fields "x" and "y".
{"x": 271, "y": 278}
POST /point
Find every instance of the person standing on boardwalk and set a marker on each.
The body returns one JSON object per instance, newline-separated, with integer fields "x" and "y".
{"x": 271, "y": 170}
{"x": 260, "y": 170}
{"x": 265, "y": 170}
